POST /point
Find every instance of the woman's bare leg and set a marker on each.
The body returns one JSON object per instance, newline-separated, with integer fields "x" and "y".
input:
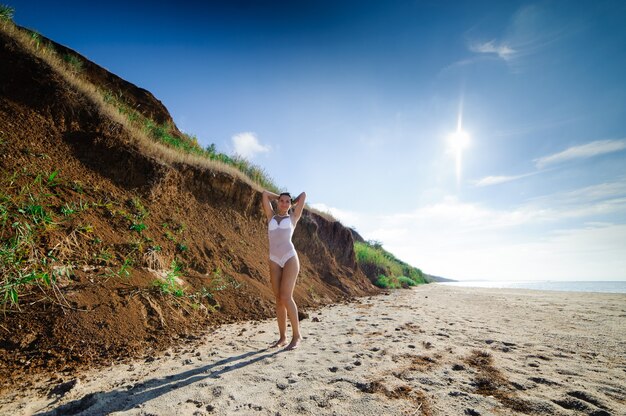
{"x": 287, "y": 284}
{"x": 281, "y": 311}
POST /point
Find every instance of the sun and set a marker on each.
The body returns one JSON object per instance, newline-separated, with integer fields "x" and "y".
{"x": 459, "y": 140}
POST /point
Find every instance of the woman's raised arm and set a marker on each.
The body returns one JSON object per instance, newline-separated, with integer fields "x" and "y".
{"x": 267, "y": 205}
{"x": 298, "y": 206}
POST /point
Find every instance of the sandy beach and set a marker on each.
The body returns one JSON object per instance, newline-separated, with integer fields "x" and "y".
{"x": 432, "y": 350}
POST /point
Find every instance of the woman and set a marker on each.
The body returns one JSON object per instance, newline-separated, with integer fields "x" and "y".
{"x": 284, "y": 262}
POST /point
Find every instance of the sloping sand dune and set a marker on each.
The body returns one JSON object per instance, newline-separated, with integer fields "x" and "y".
{"x": 432, "y": 350}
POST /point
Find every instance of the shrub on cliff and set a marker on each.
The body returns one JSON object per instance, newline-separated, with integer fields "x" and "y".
{"x": 384, "y": 269}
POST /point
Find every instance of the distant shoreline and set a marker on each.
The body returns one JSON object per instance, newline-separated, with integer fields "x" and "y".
{"x": 546, "y": 285}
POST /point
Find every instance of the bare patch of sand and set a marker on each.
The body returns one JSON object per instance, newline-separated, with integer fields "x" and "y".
{"x": 433, "y": 350}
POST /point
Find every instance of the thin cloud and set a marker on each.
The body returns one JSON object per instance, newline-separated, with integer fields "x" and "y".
{"x": 589, "y": 194}
{"x": 502, "y": 50}
{"x": 585, "y": 151}
{"x": 496, "y": 180}
{"x": 247, "y": 145}
{"x": 601, "y": 199}
{"x": 532, "y": 30}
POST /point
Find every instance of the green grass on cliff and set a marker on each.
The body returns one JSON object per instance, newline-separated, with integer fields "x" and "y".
{"x": 393, "y": 273}
{"x": 6, "y": 12}
{"x": 166, "y": 135}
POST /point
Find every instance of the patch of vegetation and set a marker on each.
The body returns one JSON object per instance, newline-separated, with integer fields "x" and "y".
{"x": 406, "y": 281}
{"x": 220, "y": 282}
{"x": 26, "y": 218}
{"x": 393, "y": 273}
{"x": 74, "y": 63}
{"x": 52, "y": 180}
{"x": 124, "y": 270}
{"x": 44, "y": 236}
{"x": 170, "y": 285}
{"x": 204, "y": 298}
{"x": 6, "y": 13}
{"x": 35, "y": 38}
{"x": 68, "y": 209}
{"x": 140, "y": 211}
{"x": 104, "y": 257}
{"x": 167, "y": 135}
{"x": 169, "y": 236}
{"x": 78, "y": 186}
{"x": 387, "y": 282}
{"x": 139, "y": 227}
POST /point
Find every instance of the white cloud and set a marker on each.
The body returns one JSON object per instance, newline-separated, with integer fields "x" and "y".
{"x": 557, "y": 237}
{"x": 502, "y": 50}
{"x": 247, "y": 145}
{"x": 496, "y": 180}
{"x": 596, "y": 148}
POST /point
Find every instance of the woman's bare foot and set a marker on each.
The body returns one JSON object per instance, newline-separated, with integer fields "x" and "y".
{"x": 293, "y": 344}
{"x": 280, "y": 343}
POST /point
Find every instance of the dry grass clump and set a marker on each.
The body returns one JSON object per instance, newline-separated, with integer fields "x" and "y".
{"x": 152, "y": 259}
{"x": 489, "y": 381}
{"x": 401, "y": 392}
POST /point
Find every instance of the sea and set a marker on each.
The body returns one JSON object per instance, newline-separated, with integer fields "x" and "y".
{"x": 577, "y": 286}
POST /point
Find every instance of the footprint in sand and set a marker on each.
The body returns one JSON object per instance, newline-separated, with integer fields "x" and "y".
{"x": 541, "y": 380}
{"x": 249, "y": 406}
{"x": 570, "y": 403}
{"x": 196, "y": 403}
{"x": 587, "y": 397}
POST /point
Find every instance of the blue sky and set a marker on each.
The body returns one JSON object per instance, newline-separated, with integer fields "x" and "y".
{"x": 357, "y": 102}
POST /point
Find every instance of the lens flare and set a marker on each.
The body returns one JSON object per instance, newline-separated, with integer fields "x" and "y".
{"x": 458, "y": 141}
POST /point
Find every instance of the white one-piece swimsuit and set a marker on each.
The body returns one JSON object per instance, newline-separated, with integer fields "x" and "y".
{"x": 280, "y": 233}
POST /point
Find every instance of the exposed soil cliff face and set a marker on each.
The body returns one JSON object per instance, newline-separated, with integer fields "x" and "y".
{"x": 105, "y": 304}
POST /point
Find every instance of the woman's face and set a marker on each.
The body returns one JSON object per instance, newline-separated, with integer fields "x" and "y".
{"x": 284, "y": 203}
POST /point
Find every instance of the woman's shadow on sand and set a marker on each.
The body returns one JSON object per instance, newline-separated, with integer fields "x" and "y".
{"x": 103, "y": 403}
